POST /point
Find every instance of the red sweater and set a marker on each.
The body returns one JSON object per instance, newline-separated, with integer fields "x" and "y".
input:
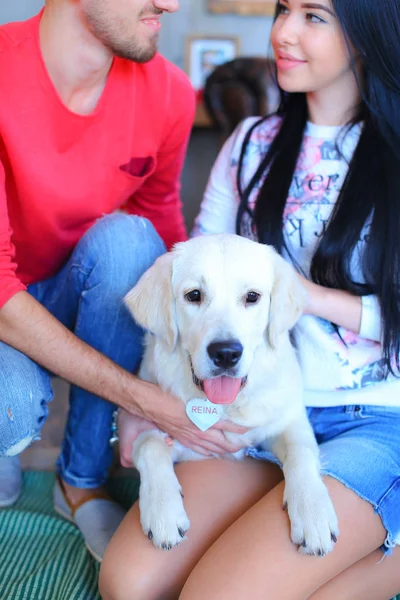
{"x": 60, "y": 171}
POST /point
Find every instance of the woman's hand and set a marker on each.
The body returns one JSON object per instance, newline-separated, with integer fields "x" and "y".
{"x": 163, "y": 411}
{"x": 339, "y": 307}
{"x": 312, "y": 291}
{"x": 129, "y": 427}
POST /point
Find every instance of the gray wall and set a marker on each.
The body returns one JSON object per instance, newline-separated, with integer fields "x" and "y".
{"x": 191, "y": 18}
{"x": 18, "y": 10}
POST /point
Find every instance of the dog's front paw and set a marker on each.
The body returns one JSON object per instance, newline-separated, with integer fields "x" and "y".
{"x": 162, "y": 516}
{"x": 313, "y": 520}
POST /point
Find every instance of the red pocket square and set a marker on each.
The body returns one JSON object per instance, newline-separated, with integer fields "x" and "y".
{"x": 139, "y": 166}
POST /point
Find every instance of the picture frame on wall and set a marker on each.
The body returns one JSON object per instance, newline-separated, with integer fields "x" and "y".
{"x": 205, "y": 52}
{"x": 242, "y": 7}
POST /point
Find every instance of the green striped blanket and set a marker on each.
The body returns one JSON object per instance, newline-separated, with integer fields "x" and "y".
{"x": 42, "y": 557}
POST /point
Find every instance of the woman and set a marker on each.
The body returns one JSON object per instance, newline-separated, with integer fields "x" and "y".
{"x": 321, "y": 182}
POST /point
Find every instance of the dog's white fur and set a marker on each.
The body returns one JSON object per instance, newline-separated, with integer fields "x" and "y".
{"x": 224, "y": 268}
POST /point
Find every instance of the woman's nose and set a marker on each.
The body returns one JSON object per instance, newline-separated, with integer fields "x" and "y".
{"x": 286, "y": 30}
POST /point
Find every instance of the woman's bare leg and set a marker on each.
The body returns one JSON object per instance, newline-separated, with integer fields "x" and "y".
{"x": 256, "y": 559}
{"x": 369, "y": 579}
{"x": 217, "y": 492}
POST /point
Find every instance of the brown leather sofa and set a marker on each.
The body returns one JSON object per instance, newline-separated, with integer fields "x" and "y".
{"x": 238, "y": 89}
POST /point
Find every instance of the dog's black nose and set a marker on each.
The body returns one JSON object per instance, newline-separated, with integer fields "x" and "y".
{"x": 225, "y": 354}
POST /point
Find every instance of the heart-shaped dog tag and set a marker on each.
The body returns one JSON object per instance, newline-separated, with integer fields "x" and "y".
{"x": 203, "y": 413}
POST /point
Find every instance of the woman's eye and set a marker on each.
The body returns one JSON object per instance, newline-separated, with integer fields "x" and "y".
{"x": 282, "y": 9}
{"x": 193, "y": 296}
{"x": 252, "y": 297}
{"x": 314, "y": 18}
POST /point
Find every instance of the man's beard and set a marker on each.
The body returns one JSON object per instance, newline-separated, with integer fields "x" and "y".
{"x": 111, "y": 33}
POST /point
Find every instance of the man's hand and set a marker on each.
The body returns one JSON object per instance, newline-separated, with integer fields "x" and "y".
{"x": 165, "y": 412}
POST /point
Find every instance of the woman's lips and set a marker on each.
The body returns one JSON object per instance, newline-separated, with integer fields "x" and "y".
{"x": 285, "y": 62}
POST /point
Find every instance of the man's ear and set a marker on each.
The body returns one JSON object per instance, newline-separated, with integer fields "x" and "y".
{"x": 151, "y": 301}
{"x": 288, "y": 299}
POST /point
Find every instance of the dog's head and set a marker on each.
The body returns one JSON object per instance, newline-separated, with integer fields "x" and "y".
{"x": 220, "y": 298}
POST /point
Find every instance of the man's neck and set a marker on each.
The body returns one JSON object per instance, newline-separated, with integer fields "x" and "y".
{"x": 77, "y": 63}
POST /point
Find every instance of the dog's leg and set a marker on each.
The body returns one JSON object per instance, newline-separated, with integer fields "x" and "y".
{"x": 162, "y": 514}
{"x": 314, "y": 525}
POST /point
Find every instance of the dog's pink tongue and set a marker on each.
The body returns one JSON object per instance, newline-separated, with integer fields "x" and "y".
{"x": 222, "y": 390}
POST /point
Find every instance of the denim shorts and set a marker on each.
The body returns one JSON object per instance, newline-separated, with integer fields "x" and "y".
{"x": 360, "y": 447}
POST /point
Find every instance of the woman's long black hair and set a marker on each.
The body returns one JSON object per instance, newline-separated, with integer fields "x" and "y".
{"x": 371, "y": 190}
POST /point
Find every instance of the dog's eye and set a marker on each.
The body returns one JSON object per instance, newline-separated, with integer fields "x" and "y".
{"x": 252, "y": 297}
{"x": 193, "y": 296}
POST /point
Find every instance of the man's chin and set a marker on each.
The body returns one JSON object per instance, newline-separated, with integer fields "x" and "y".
{"x": 139, "y": 54}
{"x": 145, "y": 56}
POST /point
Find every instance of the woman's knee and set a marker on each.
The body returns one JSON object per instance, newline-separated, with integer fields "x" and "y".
{"x": 25, "y": 393}
{"x": 124, "y": 579}
{"x": 113, "y": 586}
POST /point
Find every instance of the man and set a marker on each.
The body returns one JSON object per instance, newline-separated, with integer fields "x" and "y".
{"x": 91, "y": 120}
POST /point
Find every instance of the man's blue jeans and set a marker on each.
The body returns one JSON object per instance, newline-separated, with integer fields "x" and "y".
{"x": 86, "y": 296}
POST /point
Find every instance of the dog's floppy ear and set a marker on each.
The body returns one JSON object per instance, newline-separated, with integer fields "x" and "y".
{"x": 288, "y": 299}
{"x": 151, "y": 301}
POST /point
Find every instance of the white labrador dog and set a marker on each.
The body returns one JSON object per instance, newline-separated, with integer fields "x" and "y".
{"x": 218, "y": 310}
